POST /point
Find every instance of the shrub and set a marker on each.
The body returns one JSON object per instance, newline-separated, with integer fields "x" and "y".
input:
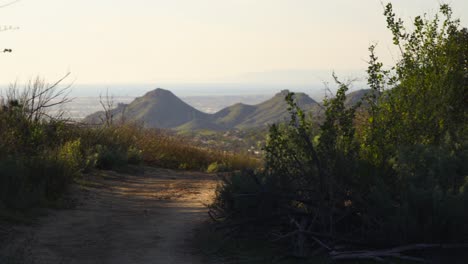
{"x": 246, "y": 195}
{"x": 216, "y": 167}
{"x": 70, "y": 154}
{"x": 395, "y": 175}
{"x": 134, "y": 156}
{"x": 33, "y": 181}
{"x": 109, "y": 158}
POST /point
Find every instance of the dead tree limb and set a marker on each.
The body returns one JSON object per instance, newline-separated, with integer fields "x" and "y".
{"x": 395, "y": 252}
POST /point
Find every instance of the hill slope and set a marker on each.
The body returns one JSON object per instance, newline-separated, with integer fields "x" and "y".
{"x": 158, "y": 108}
{"x": 268, "y": 112}
{"x": 355, "y": 97}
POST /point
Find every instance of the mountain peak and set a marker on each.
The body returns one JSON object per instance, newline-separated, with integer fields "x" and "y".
{"x": 283, "y": 93}
{"x": 158, "y": 92}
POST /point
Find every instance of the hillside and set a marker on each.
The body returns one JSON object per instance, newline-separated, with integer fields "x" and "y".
{"x": 158, "y": 108}
{"x": 353, "y": 98}
{"x": 162, "y": 109}
{"x": 268, "y": 112}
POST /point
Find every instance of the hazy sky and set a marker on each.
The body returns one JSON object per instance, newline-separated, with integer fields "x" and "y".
{"x": 151, "y": 41}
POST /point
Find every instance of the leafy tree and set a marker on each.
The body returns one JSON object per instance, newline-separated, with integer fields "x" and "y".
{"x": 392, "y": 171}
{"x": 423, "y": 98}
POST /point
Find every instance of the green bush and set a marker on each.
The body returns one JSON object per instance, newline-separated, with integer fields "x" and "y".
{"x": 246, "y": 195}
{"x": 134, "y": 156}
{"x": 217, "y": 167}
{"x": 33, "y": 181}
{"x": 70, "y": 154}
{"x": 109, "y": 158}
{"x": 392, "y": 173}
{"x": 36, "y": 164}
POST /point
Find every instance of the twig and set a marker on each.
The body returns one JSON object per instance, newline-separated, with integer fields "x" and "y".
{"x": 393, "y": 252}
{"x": 321, "y": 243}
{"x": 9, "y": 3}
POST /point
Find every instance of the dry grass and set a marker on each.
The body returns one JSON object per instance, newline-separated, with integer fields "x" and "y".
{"x": 164, "y": 150}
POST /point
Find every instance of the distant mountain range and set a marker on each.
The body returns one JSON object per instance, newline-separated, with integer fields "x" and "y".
{"x": 162, "y": 109}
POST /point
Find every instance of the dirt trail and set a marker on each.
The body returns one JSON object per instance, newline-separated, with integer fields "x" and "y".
{"x": 148, "y": 218}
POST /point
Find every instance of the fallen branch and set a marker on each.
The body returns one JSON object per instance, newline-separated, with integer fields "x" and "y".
{"x": 374, "y": 255}
{"x": 249, "y": 221}
{"x": 213, "y": 217}
{"x": 391, "y": 253}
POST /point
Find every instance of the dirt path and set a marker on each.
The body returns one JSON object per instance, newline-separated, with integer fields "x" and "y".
{"x": 120, "y": 218}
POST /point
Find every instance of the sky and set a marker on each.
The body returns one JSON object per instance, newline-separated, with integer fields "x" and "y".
{"x": 198, "y": 41}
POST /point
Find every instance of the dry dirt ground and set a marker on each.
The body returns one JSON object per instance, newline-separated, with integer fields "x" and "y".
{"x": 120, "y": 218}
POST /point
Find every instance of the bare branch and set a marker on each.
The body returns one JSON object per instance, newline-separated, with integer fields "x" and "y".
{"x": 37, "y": 96}
{"x": 107, "y": 104}
{"x": 9, "y": 3}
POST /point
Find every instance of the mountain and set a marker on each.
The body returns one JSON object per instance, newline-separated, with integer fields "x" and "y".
{"x": 162, "y": 109}
{"x": 158, "y": 108}
{"x": 233, "y": 115}
{"x": 268, "y": 112}
{"x": 355, "y": 97}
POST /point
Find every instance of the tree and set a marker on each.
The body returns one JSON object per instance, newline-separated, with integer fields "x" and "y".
{"x": 427, "y": 90}
{"x": 397, "y": 177}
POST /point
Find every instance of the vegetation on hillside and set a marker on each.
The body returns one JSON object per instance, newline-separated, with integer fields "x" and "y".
{"x": 161, "y": 149}
{"x": 388, "y": 174}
